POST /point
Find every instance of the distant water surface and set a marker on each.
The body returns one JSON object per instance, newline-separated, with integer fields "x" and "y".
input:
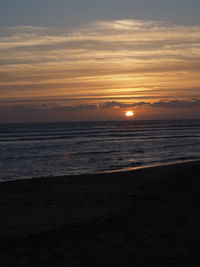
{"x": 54, "y": 149}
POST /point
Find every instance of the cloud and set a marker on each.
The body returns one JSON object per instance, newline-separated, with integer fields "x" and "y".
{"x": 75, "y": 108}
{"x": 177, "y": 104}
{"x": 120, "y": 39}
{"x": 108, "y": 110}
{"x": 174, "y": 104}
{"x": 105, "y": 60}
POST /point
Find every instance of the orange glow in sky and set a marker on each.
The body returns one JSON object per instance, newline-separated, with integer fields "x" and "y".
{"x": 90, "y": 72}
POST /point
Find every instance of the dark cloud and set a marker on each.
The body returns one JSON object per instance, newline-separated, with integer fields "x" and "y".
{"x": 113, "y": 104}
{"x": 177, "y": 104}
{"x": 160, "y": 104}
{"x": 105, "y": 111}
{"x": 75, "y": 108}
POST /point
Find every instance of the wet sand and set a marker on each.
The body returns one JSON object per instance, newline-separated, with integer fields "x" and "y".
{"x": 145, "y": 217}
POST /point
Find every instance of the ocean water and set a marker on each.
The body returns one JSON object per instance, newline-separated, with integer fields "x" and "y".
{"x": 55, "y": 149}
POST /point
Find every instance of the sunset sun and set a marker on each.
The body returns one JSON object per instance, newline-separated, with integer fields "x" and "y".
{"x": 129, "y": 113}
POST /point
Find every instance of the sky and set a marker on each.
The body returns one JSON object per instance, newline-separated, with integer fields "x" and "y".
{"x": 94, "y": 60}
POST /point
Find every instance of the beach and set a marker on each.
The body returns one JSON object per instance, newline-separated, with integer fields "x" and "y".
{"x": 144, "y": 217}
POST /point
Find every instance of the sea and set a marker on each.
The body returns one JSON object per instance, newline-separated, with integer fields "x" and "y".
{"x": 37, "y": 150}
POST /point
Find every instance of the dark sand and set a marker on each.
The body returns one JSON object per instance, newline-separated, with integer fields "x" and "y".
{"x": 146, "y": 217}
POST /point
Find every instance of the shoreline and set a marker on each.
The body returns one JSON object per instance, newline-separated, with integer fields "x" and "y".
{"x": 153, "y": 165}
{"x": 148, "y": 216}
{"x": 121, "y": 170}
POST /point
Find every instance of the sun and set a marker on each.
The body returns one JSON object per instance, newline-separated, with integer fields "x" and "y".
{"x": 129, "y": 113}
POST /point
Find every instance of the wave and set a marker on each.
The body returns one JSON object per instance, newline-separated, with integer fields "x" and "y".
{"x": 36, "y": 150}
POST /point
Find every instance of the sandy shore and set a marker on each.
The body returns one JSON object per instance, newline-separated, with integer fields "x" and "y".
{"x": 146, "y": 217}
